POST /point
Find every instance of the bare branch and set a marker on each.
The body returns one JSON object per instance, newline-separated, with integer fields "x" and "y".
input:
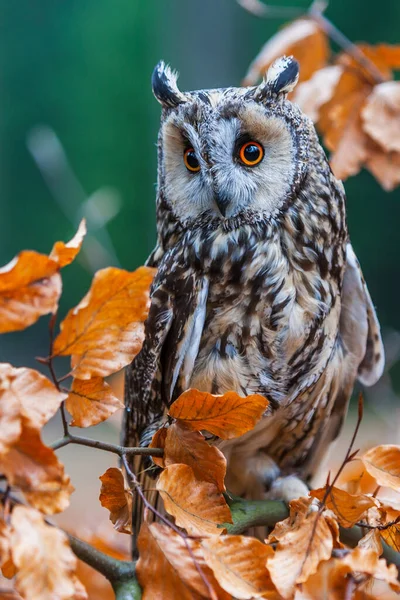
{"x": 114, "y": 448}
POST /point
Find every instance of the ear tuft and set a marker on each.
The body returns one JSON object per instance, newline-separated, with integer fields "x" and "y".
{"x": 165, "y": 88}
{"x": 283, "y": 75}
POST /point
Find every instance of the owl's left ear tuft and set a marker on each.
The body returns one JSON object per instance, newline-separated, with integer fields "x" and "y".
{"x": 282, "y": 77}
{"x": 165, "y": 88}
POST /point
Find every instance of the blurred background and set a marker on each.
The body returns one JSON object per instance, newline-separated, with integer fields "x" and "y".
{"x": 78, "y": 127}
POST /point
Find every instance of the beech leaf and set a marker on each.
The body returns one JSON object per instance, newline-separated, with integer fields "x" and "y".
{"x": 383, "y": 463}
{"x": 239, "y": 565}
{"x": 116, "y": 496}
{"x": 166, "y": 569}
{"x": 91, "y": 401}
{"x": 197, "y": 505}
{"x": 64, "y": 253}
{"x": 227, "y": 416}
{"x": 106, "y": 330}
{"x": 36, "y": 471}
{"x": 304, "y": 540}
{"x": 183, "y": 445}
{"x": 303, "y": 39}
{"x": 45, "y": 563}
{"x": 348, "y": 508}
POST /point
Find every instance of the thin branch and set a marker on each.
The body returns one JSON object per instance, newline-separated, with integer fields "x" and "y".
{"x": 49, "y": 362}
{"x": 114, "y": 448}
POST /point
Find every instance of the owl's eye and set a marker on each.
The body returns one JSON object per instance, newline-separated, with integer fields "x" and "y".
{"x": 191, "y": 161}
{"x": 251, "y": 153}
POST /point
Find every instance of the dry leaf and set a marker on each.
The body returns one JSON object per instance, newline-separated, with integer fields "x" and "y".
{"x": 35, "y": 470}
{"x": 26, "y": 397}
{"x": 166, "y": 569}
{"x": 303, "y": 39}
{"x": 381, "y": 115}
{"x": 5, "y": 550}
{"x": 372, "y": 541}
{"x": 64, "y": 253}
{"x": 105, "y": 331}
{"x": 304, "y": 540}
{"x": 158, "y": 441}
{"x": 239, "y": 565}
{"x": 197, "y": 505}
{"x": 383, "y": 463}
{"x": 227, "y": 416}
{"x": 45, "y": 562}
{"x": 91, "y": 401}
{"x": 317, "y": 91}
{"x": 385, "y": 167}
{"x": 116, "y": 496}
{"x": 391, "y": 534}
{"x": 348, "y": 508}
{"x": 30, "y": 285}
{"x": 183, "y": 445}
{"x": 362, "y": 560}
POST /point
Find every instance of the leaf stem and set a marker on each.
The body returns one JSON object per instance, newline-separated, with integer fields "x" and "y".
{"x": 114, "y": 448}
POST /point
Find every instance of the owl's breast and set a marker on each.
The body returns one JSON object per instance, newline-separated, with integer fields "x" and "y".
{"x": 268, "y": 328}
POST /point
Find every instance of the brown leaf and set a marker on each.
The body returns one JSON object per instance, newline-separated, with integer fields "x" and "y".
{"x": 5, "y": 548}
{"x": 318, "y": 90}
{"x": 158, "y": 441}
{"x": 91, "y": 401}
{"x": 64, "y": 253}
{"x": 303, "y": 39}
{"x": 347, "y": 507}
{"x": 26, "y": 397}
{"x": 391, "y": 534}
{"x": 30, "y": 287}
{"x": 116, "y": 496}
{"x": 45, "y": 562}
{"x": 105, "y": 331}
{"x": 384, "y": 166}
{"x": 383, "y": 463}
{"x": 304, "y": 540}
{"x": 362, "y": 560}
{"x": 166, "y": 569}
{"x": 35, "y": 470}
{"x": 197, "y": 505}
{"x": 372, "y": 541}
{"x": 227, "y": 416}
{"x": 381, "y": 115}
{"x": 239, "y": 565}
{"x": 183, "y": 445}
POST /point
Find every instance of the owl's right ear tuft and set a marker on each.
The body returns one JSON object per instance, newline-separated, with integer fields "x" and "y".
{"x": 165, "y": 88}
{"x": 281, "y": 79}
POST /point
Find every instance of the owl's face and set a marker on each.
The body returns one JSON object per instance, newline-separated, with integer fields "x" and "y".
{"x": 225, "y": 153}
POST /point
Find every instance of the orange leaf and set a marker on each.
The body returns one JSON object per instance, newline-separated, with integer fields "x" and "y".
{"x": 347, "y": 507}
{"x": 227, "y": 416}
{"x": 182, "y": 445}
{"x": 317, "y": 91}
{"x": 26, "y": 397}
{"x": 304, "y": 540}
{"x": 105, "y": 331}
{"x": 91, "y": 401}
{"x": 117, "y": 498}
{"x": 197, "y": 506}
{"x": 372, "y": 541}
{"x": 362, "y": 560}
{"x": 5, "y": 548}
{"x": 381, "y": 115}
{"x": 35, "y": 470}
{"x": 45, "y": 562}
{"x": 64, "y": 253}
{"x": 158, "y": 441}
{"x": 239, "y": 565}
{"x": 385, "y": 167}
{"x": 30, "y": 285}
{"x": 303, "y": 39}
{"x": 166, "y": 569}
{"x": 391, "y": 534}
{"x": 383, "y": 463}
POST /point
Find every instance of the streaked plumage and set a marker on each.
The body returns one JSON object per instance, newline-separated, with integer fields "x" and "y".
{"x": 258, "y": 288}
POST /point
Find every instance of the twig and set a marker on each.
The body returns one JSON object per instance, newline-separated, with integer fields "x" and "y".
{"x": 49, "y": 362}
{"x": 182, "y": 534}
{"x": 114, "y": 448}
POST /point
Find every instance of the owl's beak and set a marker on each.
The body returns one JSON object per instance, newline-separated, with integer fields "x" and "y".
{"x": 222, "y": 202}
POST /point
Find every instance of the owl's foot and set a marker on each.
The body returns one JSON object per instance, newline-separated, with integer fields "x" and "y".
{"x": 287, "y": 489}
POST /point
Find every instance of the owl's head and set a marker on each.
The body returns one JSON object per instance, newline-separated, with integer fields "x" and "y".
{"x": 229, "y": 153}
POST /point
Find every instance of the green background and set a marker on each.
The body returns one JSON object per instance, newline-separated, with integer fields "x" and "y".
{"x": 83, "y": 68}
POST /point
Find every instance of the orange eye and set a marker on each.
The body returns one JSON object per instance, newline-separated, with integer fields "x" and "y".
{"x": 251, "y": 153}
{"x": 190, "y": 159}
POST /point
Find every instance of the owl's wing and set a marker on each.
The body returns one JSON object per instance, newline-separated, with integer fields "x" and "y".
{"x": 172, "y": 337}
{"x": 359, "y": 327}
{"x": 360, "y": 337}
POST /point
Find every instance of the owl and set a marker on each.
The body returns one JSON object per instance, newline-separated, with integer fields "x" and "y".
{"x": 258, "y": 289}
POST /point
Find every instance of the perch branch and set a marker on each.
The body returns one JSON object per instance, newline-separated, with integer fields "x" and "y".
{"x": 114, "y": 448}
